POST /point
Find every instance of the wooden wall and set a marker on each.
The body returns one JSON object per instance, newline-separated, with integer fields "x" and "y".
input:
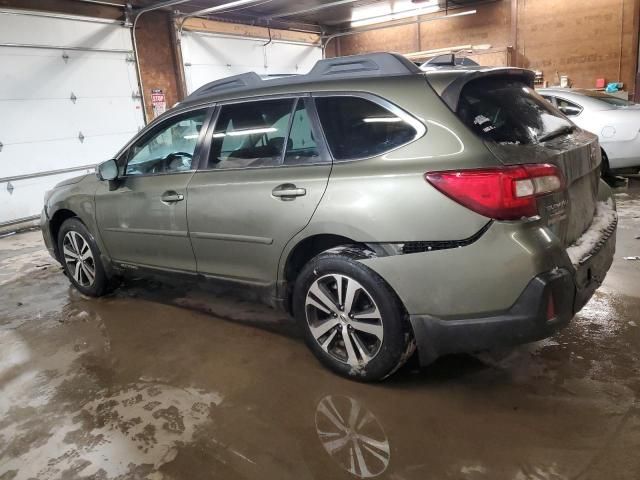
{"x": 584, "y": 39}
{"x": 490, "y": 25}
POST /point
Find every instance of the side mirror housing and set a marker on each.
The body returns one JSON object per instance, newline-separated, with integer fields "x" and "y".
{"x": 107, "y": 170}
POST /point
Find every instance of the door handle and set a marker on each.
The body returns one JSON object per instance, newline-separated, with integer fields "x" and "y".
{"x": 171, "y": 196}
{"x": 287, "y": 191}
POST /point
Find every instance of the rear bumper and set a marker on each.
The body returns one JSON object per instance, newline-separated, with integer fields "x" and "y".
{"x": 525, "y": 321}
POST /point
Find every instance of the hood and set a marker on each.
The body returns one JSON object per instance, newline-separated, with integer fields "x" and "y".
{"x": 72, "y": 180}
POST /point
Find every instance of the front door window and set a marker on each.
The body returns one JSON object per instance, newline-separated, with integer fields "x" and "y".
{"x": 169, "y": 148}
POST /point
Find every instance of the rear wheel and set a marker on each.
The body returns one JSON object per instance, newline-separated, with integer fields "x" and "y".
{"x": 605, "y": 169}
{"x": 80, "y": 257}
{"x": 352, "y": 320}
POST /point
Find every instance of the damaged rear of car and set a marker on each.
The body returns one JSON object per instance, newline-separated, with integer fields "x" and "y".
{"x": 550, "y": 239}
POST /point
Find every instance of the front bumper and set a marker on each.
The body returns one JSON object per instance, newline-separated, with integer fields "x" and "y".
{"x": 46, "y": 234}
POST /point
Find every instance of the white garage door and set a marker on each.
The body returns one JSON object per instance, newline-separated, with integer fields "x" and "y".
{"x": 208, "y": 57}
{"x": 68, "y": 100}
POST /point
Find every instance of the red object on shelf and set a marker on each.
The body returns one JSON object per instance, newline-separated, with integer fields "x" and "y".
{"x": 600, "y": 83}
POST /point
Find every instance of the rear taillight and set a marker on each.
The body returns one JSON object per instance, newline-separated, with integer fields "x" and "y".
{"x": 503, "y": 193}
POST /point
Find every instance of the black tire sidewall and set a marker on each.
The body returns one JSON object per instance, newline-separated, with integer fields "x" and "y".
{"x": 101, "y": 284}
{"x": 396, "y": 328}
{"x": 605, "y": 168}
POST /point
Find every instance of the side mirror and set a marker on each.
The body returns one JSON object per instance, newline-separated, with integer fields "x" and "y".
{"x": 107, "y": 170}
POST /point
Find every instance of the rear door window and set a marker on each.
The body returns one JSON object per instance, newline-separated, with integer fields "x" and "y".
{"x": 359, "y": 128}
{"x": 509, "y": 112}
{"x": 251, "y": 134}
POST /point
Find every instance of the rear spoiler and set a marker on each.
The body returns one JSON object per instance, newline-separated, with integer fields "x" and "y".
{"x": 451, "y": 92}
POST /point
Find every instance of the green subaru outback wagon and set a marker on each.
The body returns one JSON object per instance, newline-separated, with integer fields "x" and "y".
{"x": 388, "y": 209}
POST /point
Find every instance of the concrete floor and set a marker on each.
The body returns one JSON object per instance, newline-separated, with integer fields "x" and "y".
{"x": 170, "y": 383}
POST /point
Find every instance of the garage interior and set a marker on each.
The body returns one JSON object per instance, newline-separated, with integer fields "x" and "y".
{"x": 172, "y": 381}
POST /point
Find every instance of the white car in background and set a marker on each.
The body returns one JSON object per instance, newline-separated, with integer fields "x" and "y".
{"x": 614, "y": 120}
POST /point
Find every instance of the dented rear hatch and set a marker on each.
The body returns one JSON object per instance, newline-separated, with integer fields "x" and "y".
{"x": 520, "y": 127}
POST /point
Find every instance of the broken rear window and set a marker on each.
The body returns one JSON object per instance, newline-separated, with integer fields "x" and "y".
{"x": 509, "y": 112}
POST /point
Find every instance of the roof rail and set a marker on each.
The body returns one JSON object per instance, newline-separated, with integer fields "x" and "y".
{"x": 243, "y": 80}
{"x": 367, "y": 65}
{"x": 380, "y": 63}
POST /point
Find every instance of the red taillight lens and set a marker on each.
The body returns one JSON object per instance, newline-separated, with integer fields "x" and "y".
{"x": 504, "y": 193}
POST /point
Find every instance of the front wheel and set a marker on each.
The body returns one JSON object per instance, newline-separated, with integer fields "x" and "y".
{"x": 352, "y": 320}
{"x": 80, "y": 257}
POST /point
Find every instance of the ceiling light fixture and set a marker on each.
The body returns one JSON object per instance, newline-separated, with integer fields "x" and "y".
{"x": 404, "y": 14}
{"x": 224, "y": 6}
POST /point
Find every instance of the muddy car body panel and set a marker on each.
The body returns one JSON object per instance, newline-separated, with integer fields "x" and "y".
{"x": 337, "y": 196}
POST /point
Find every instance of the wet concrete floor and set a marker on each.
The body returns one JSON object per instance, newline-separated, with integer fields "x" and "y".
{"x": 162, "y": 382}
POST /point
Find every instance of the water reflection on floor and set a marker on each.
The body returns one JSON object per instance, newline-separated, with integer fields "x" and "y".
{"x": 167, "y": 383}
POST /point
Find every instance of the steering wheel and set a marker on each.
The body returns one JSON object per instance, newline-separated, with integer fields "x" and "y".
{"x": 165, "y": 164}
{"x": 179, "y": 154}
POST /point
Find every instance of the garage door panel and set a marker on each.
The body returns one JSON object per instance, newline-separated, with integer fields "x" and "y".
{"x": 292, "y": 58}
{"x": 27, "y": 196}
{"x": 39, "y": 123}
{"x": 86, "y": 74}
{"x": 211, "y": 50}
{"x": 38, "y": 120}
{"x": 198, "y": 75}
{"x": 63, "y": 32}
{"x": 210, "y": 57}
{"x": 30, "y": 158}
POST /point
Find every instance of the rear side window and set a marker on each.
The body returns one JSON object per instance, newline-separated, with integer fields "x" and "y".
{"x": 358, "y": 128}
{"x": 508, "y": 112}
{"x": 570, "y": 109}
{"x": 302, "y": 147}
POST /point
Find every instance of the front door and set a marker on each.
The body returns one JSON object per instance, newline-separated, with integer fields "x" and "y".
{"x": 142, "y": 216}
{"x": 265, "y": 174}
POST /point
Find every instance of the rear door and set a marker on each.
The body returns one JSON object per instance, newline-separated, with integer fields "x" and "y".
{"x": 519, "y": 126}
{"x": 259, "y": 185}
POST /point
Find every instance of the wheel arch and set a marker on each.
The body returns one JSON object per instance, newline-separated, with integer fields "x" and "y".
{"x": 303, "y": 251}
{"x": 57, "y": 219}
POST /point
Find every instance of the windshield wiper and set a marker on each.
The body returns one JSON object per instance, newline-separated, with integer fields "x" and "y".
{"x": 556, "y": 133}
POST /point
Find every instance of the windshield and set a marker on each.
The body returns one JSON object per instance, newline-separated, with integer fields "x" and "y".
{"x": 507, "y": 111}
{"x": 606, "y": 98}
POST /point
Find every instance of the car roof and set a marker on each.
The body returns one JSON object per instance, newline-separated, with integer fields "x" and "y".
{"x": 341, "y": 72}
{"x": 373, "y": 65}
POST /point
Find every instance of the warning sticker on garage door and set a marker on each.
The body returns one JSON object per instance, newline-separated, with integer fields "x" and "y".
{"x": 158, "y": 101}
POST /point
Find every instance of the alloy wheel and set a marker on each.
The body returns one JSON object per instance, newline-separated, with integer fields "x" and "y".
{"x": 344, "y": 319}
{"x": 79, "y": 258}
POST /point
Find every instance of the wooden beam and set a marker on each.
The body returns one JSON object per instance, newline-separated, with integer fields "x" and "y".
{"x": 237, "y": 29}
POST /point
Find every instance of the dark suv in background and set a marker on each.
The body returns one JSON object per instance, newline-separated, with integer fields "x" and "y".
{"x": 385, "y": 207}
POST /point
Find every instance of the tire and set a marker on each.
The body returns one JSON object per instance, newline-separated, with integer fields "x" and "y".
{"x": 369, "y": 355}
{"x": 73, "y": 237}
{"x": 605, "y": 169}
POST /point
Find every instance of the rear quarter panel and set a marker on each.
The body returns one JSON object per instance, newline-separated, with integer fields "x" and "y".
{"x": 386, "y": 198}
